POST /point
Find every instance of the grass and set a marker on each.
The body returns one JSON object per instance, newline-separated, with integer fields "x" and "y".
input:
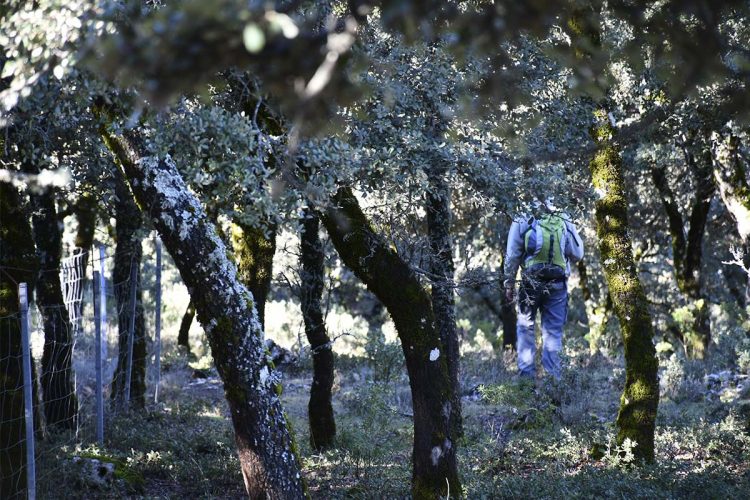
{"x": 520, "y": 440}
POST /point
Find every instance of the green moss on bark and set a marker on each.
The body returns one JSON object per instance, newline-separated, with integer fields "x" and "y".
{"x": 253, "y": 253}
{"x": 638, "y": 405}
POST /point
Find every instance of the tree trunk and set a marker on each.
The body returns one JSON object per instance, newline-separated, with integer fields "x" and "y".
{"x": 442, "y": 271}
{"x": 254, "y": 251}
{"x": 18, "y": 264}
{"x": 320, "y": 407}
{"x": 398, "y": 288}
{"x": 58, "y": 379}
{"x": 73, "y": 288}
{"x": 85, "y": 212}
{"x": 508, "y": 313}
{"x": 731, "y": 180}
{"x": 183, "y": 337}
{"x": 503, "y": 310}
{"x": 687, "y": 252}
{"x": 226, "y": 310}
{"x": 636, "y": 419}
{"x": 128, "y": 255}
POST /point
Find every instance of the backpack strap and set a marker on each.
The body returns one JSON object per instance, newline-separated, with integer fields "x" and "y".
{"x": 529, "y": 227}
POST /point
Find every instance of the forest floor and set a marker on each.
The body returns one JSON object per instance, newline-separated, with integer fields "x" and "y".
{"x": 548, "y": 441}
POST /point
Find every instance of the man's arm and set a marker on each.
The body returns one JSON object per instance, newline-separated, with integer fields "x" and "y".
{"x": 513, "y": 253}
{"x": 573, "y": 243}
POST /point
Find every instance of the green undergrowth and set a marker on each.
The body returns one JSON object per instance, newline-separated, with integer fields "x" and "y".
{"x": 540, "y": 439}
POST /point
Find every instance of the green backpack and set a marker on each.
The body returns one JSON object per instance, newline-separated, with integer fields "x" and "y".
{"x": 543, "y": 241}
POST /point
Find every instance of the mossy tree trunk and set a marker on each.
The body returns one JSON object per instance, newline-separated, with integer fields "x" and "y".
{"x": 312, "y": 276}
{"x": 18, "y": 263}
{"x": 731, "y": 179}
{"x": 128, "y": 256}
{"x": 226, "y": 310}
{"x": 396, "y": 285}
{"x": 183, "y": 337}
{"x": 442, "y": 271}
{"x": 687, "y": 250}
{"x": 58, "y": 379}
{"x": 253, "y": 251}
{"x": 636, "y": 419}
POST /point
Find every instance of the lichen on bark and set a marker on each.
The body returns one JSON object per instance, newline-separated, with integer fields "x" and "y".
{"x": 636, "y": 419}
{"x": 225, "y": 309}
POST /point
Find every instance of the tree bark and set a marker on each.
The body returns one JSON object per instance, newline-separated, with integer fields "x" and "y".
{"x": 85, "y": 213}
{"x": 58, "y": 378}
{"x": 687, "y": 252}
{"x": 398, "y": 288}
{"x": 226, "y": 310}
{"x": 320, "y": 407}
{"x": 508, "y": 313}
{"x": 128, "y": 254}
{"x": 254, "y": 251}
{"x": 636, "y": 419}
{"x": 18, "y": 264}
{"x": 183, "y": 337}
{"x": 442, "y": 271}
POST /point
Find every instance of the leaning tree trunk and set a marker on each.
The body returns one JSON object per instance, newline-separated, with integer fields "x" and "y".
{"x": 398, "y": 288}
{"x": 226, "y": 310}
{"x": 636, "y": 419}
{"x": 128, "y": 256}
{"x": 442, "y": 271}
{"x": 17, "y": 265}
{"x": 731, "y": 179}
{"x": 320, "y": 407}
{"x": 253, "y": 251}
{"x": 58, "y": 379}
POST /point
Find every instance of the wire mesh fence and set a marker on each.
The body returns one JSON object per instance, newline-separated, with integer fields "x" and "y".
{"x": 76, "y": 364}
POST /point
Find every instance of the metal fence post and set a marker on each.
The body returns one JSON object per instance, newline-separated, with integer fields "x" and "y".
{"x": 131, "y": 331}
{"x": 98, "y": 299}
{"x": 103, "y": 311}
{"x": 157, "y": 321}
{"x": 28, "y": 402}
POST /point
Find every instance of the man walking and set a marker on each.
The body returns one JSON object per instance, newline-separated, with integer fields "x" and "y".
{"x": 544, "y": 248}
